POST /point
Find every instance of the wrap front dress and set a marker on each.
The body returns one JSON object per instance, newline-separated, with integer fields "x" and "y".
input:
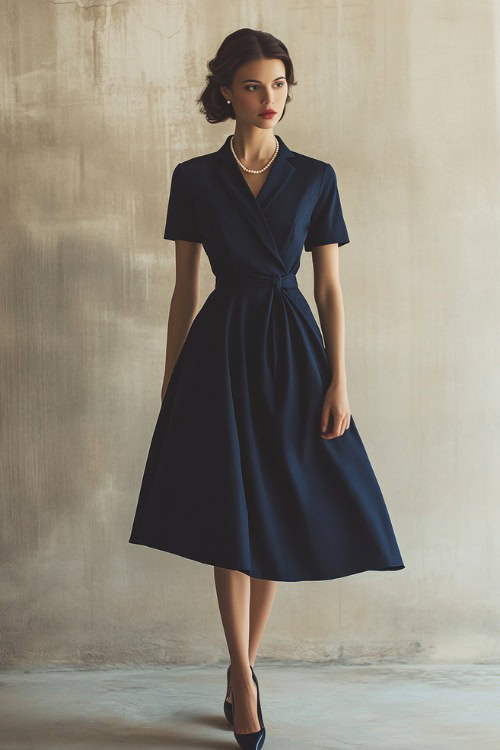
{"x": 237, "y": 473}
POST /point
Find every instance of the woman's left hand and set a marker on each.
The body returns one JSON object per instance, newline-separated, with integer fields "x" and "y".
{"x": 335, "y": 404}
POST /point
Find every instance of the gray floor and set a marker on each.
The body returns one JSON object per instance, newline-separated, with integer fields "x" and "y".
{"x": 311, "y": 706}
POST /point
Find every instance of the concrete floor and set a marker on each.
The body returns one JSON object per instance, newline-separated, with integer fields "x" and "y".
{"x": 306, "y": 706}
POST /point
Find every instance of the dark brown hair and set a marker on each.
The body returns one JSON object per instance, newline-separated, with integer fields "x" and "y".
{"x": 237, "y": 49}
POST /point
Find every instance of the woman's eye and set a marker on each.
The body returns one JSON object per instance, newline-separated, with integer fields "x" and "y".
{"x": 280, "y": 85}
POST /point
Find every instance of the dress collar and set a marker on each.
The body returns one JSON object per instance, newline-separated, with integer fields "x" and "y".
{"x": 280, "y": 172}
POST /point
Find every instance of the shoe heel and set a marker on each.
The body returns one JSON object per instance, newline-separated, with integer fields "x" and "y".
{"x": 252, "y": 740}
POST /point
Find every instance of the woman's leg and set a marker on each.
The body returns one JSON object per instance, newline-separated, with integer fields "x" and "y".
{"x": 262, "y": 594}
{"x": 244, "y": 603}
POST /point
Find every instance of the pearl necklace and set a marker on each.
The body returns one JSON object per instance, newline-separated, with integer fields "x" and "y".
{"x": 256, "y": 171}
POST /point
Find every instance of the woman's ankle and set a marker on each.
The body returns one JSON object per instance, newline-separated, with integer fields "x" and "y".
{"x": 240, "y": 672}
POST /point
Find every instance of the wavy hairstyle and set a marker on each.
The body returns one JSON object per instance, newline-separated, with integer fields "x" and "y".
{"x": 237, "y": 49}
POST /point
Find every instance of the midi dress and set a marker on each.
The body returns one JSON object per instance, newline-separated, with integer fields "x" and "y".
{"x": 237, "y": 474}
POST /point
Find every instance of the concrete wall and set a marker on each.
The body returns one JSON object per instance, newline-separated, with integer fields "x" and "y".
{"x": 98, "y": 105}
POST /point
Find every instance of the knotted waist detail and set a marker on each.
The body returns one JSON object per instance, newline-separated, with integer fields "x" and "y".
{"x": 259, "y": 280}
{"x": 274, "y": 282}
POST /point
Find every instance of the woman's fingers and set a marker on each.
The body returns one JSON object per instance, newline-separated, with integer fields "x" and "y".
{"x": 340, "y": 424}
{"x": 325, "y": 416}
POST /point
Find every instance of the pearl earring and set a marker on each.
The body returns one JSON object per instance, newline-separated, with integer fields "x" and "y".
{"x": 227, "y": 100}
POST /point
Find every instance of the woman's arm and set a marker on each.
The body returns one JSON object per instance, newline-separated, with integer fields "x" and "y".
{"x": 330, "y": 304}
{"x": 184, "y": 303}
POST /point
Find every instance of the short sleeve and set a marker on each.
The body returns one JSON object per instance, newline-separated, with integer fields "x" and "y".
{"x": 327, "y": 225}
{"x": 181, "y": 222}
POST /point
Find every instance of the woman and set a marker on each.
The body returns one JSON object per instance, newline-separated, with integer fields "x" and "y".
{"x": 256, "y": 466}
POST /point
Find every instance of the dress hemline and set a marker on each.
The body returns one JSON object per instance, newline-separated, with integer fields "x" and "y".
{"x": 330, "y": 577}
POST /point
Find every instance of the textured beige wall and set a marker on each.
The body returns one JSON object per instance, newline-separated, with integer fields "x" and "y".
{"x": 97, "y": 108}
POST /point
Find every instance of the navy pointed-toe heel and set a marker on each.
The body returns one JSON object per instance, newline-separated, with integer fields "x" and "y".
{"x": 252, "y": 740}
{"x": 228, "y": 707}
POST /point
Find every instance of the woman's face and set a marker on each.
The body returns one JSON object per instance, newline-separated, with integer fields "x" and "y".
{"x": 257, "y": 86}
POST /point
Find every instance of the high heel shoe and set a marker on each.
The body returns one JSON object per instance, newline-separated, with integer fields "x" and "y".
{"x": 252, "y": 740}
{"x": 228, "y": 707}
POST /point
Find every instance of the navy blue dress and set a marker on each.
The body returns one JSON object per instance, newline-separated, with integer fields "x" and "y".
{"x": 237, "y": 474}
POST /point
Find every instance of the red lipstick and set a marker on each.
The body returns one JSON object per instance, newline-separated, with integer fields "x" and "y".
{"x": 267, "y": 113}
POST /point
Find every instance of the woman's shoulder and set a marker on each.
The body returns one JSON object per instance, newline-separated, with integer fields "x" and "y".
{"x": 311, "y": 166}
{"x": 320, "y": 165}
{"x": 314, "y": 171}
{"x": 195, "y": 164}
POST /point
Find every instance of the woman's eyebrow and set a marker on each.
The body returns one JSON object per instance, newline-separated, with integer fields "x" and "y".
{"x": 255, "y": 80}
